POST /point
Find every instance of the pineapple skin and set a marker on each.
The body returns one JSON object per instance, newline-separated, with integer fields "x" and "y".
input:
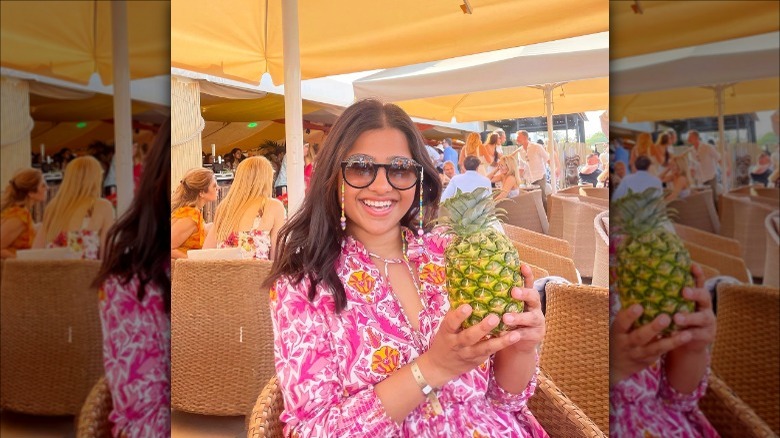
{"x": 481, "y": 263}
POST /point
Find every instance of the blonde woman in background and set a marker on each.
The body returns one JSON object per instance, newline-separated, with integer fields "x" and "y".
{"x": 78, "y": 217}
{"x": 677, "y": 178}
{"x": 507, "y": 177}
{"x": 309, "y": 155}
{"x": 248, "y": 215}
{"x": 645, "y": 146}
{"x": 16, "y": 223}
{"x": 473, "y": 147}
{"x": 188, "y": 229}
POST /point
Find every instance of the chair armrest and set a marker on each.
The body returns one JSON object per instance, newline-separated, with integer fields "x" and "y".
{"x": 92, "y": 421}
{"x": 559, "y": 416}
{"x": 264, "y": 421}
{"x": 729, "y": 415}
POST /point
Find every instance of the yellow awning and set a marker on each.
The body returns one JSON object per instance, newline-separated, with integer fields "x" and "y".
{"x": 574, "y": 97}
{"x": 242, "y": 39}
{"x": 683, "y": 103}
{"x": 71, "y": 40}
{"x": 97, "y": 107}
{"x": 270, "y": 107}
{"x": 665, "y": 25}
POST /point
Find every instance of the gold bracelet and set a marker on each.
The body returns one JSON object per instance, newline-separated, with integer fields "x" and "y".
{"x": 426, "y": 389}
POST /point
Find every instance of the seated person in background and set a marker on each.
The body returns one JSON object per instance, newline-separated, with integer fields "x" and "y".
{"x": 637, "y": 181}
{"x": 249, "y": 217}
{"x": 676, "y": 178}
{"x": 507, "y": 177}
{"x": 448, "y": 172}
{"x": 77, "y": 217}
{"x": 16, "y": 223}
{"x": 467, "y": 181}
{"x": 188, "y": 230}
{"x": 589, "y": 172}
{"x": 759, "y": 174}
{"x": 618, "y": 174}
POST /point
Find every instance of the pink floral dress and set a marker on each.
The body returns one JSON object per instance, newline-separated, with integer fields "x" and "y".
{"x": 254, "y": 244}
{"x": 328, "y": 363}
{"x": 136, "y": 357}
{"x": 645, "y": 405}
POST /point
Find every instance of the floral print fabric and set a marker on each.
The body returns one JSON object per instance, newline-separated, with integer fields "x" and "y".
{"x": 254, "y": 244}
{"x": 195, "y": 241}
{"x": 645, "y": 405}
{"x": 25, "y": 239}
{"x": 328, "y": 363}
{"x": 136, "y": 357}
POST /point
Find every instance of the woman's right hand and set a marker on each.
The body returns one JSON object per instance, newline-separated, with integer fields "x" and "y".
{"x": 455, "y": 351}
{"x": 631, "y": 351}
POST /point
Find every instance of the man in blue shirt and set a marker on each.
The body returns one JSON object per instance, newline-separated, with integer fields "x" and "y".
{"x": 468, "y": 181}
{"x": 450, "y": 154}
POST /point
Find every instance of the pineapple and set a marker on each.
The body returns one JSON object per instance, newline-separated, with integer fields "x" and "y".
{"x": 653, "y": 264}
{"x": 482, "y": 265}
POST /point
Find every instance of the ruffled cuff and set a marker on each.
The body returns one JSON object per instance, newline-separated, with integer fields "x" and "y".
{"x": 677, "y": 400}
{"x": 506, "y": 401}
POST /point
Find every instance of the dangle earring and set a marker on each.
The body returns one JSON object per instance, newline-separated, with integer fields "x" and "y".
{"x": 343, "y": 216}
{"x": 420, "y": 229}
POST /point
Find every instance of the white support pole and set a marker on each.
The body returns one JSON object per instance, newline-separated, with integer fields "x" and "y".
{"x": 720, "y": 102}
{"x": 293, "y": 113}
{"x": 548, "y": 103}
{"x": 123, "y": 117}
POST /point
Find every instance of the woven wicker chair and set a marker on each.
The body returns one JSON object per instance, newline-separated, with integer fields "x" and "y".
{"x": 772, "y": 260}
{"x": 729, "y": 415}
{"x": 50, "y": 334}
{"x": 601, "y": 260}
{"x": 595, "y": 192}
{"x": 696, "y": 211}
{"x": 264, "y": 422}
{"x": 746, "y": 354}
{"x": 709, "y": 240}
{"x": 538, "y": 240}
{"x": 749, "y": 220}
{"x": 766, "y": 192}
{"x": 555, "y": 213}
{"x": 771, "y": 202}
{"x": 578, "y": 231}
{"x": 726, "y": 264}
{"x": 93, "y": 420}
{"x": 575, "y": 352}
{"x": 526, "y": 211}
{"x": 560, "y": 416}
{"x": 601, "y": 202}
{"x": 552, "y": 263}
{"x": 221, "y": 335}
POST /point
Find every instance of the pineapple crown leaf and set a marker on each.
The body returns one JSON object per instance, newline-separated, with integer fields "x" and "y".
{"x": 640, "y": 212}
{"x": 470, "y": 212}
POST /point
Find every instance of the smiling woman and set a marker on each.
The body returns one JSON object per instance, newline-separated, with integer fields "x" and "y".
{"x": 365, "y": 340}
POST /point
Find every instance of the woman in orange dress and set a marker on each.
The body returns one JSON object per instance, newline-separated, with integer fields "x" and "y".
{"x": 16, "y": 224}
{"x": 188, "y": 229}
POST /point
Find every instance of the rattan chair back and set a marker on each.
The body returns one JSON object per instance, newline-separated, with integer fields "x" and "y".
{"x": 538, "y": 240}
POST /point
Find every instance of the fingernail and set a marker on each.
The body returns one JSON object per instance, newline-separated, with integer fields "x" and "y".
{"x": 509, "y": 319}
{"x": 679, "y": 318}
{"x": 492, "y": 319}
{"x": 514, "y": 337}
{"x": 688, "y": 292}
{"x": 664, "y": 320}
{"x": 517, "y": 293}
{"x": 685, "y": 336}
{"x": 465, "y": 309}
{"x": 636, "y": 309}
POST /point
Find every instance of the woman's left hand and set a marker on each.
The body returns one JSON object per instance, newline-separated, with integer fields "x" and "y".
{"x": 701, "y": 324}
{"x": 530, "y": 322}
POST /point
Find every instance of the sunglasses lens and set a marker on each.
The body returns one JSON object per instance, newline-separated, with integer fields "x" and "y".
{"x": 359, "y": 174}
{"x": 402, "y": 175}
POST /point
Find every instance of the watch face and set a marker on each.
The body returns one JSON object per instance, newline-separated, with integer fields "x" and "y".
{"x": 427, "y": 389}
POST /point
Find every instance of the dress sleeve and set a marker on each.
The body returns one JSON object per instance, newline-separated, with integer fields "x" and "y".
{"x": 309, "y": 366}
{"x": 135, "y": 362}
{"x": 506, "y": 401}
{"x": 675, "y": 399}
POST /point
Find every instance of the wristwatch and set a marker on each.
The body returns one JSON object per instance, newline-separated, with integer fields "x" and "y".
{"x": 426, "y": 388}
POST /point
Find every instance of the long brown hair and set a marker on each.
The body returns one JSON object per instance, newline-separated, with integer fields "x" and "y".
{"x": 24, "y": 182}
{"x": 138, "y": 243}
{"x": 305, "y": 251}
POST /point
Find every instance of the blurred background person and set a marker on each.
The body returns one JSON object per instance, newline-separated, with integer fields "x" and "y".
{"x": 448, "y": 171}
{"x": 135, "y": 303}
{"x": 309, "y": 156}
{"x": 492, "y": 152}
{"x": 506, "y": 176}
{"x": 450, "y": 153}
{"x": 590, "y": 171}
{"x": 77, "y": 217}
{"x": 473, "y": 148}
{"x": 249, "y": 213}
{"x": 17, "y": 230}
{"x": 677, "y": 178}
{"x": 645, "y": 146}
{"x": 759, "y": 173}
{"x": 188, "y": 229}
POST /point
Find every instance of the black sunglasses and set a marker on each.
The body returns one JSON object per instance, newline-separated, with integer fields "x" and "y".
{"x": 360, "y": 171}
